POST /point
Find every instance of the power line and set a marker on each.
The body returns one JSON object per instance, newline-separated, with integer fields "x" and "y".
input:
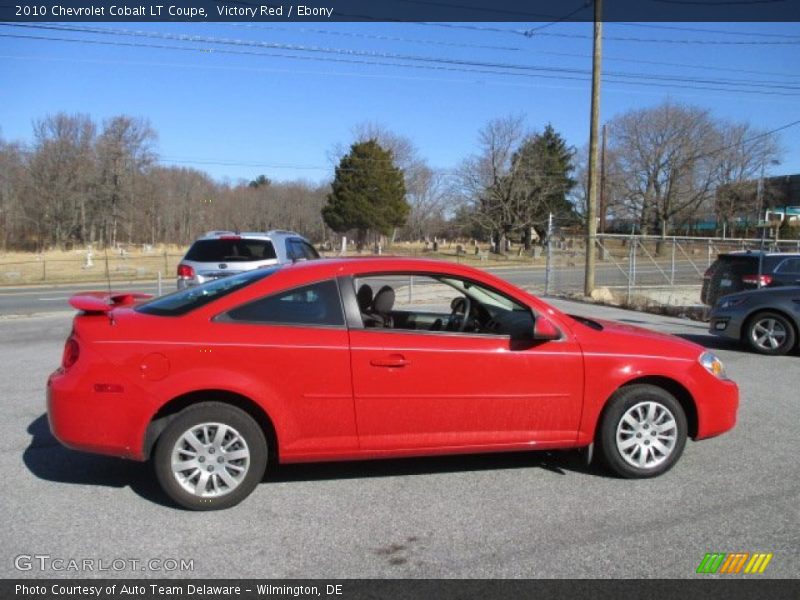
{"x": 705, "y": 30}
{"x": 687, "y": 42}
{"x": 353, "y": 34}
{"x": 586, "y": 4}
{"x": 452, "y": 64}
{"x": 527, "y": 33}
{"x": 368, "y": 36}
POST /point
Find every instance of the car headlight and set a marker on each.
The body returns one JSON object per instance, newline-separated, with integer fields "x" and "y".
{"x": 726, "y": 303}
{"x": 713, "y": 365}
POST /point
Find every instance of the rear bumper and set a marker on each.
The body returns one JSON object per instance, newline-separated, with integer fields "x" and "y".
{"x": 98, "y": 422}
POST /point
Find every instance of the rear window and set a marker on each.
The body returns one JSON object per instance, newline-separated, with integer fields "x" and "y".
{"x": 728, "y": 265}
{"x": 231, "y": 250}
{"x": 746, "y": 264}
{"x": 189, "y": 299}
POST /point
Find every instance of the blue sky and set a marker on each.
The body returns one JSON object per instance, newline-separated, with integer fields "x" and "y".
{"x": 237, "y": 115}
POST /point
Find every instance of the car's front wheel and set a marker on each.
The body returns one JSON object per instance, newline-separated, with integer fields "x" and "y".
{"x": 210, "y": 456}
{"x": 770, "y": 333}
{"x": 643, "y": 431}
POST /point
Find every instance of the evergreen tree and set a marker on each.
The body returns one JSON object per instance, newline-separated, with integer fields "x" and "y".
{"x": 543, "y": 164}
{"x": 368, "y": 193}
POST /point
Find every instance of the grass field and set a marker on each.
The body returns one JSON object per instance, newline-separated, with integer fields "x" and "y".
{"x": 145, "y": 263}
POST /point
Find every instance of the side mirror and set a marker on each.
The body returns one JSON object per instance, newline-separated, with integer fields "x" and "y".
{"x": 544, "y": 330}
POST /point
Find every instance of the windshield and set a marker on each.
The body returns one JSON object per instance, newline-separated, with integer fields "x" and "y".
{"x": 189, "y": 299}
{"x": 483, "y": 295}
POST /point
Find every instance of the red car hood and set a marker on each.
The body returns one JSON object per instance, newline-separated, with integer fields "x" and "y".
{"x": 641, "y": 340}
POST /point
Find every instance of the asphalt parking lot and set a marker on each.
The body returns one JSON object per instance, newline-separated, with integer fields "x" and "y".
{"x": 495, "y": 516}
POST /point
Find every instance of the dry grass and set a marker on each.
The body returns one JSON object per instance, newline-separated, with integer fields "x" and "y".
{"x": 70, "y": 266}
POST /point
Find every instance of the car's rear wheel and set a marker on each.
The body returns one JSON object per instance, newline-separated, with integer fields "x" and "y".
{"x": 770, "y": 333}
{"x": 643, "y": 431}
{"x": 210, "y": 456}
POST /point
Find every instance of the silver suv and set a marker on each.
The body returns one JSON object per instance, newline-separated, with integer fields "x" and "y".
{"x": 222, "y": 253}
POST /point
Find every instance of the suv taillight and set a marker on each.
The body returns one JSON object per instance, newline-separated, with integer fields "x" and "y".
{"x": 760, "y": 281}
{"x": 71, "y": 352}
{"x": 185, "y": 271}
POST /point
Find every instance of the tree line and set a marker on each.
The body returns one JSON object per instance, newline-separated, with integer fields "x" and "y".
{"x": 80, "y": 183}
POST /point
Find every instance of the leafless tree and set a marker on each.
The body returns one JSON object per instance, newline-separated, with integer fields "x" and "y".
{"x": 124, "y": 154}
{"x": 61, "y": 170}
{"x": 667, "y": 161}
{"x": 487, "y": 180}
{"x": 744, "y": 154}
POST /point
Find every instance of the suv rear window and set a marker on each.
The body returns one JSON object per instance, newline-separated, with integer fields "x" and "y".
{"x": 184, "y": 301}
{"x": 231, "y": 250}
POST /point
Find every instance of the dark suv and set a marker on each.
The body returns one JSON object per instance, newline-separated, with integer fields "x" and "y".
{"x": 738, "y": 271}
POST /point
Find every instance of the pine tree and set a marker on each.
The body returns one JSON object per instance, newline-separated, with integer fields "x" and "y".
{"x": 543, "y": 165}
{"x": 368, "y": 193}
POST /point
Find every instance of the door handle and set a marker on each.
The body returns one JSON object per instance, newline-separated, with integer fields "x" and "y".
{"x": 393, "y": 360}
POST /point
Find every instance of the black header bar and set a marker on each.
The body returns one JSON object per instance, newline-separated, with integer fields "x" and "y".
{"x": 547, "y": 11}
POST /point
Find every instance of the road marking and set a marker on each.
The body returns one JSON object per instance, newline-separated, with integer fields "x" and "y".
{"x": 59, "y": 299}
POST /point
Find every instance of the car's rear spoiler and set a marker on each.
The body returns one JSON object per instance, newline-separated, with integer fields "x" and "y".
{"x": 103, "y": 302}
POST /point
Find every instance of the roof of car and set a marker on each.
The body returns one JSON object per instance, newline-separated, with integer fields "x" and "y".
{"x": 213, "y": 235}
{"x": 376, "y": 264}
{"x": 758, "y": 252}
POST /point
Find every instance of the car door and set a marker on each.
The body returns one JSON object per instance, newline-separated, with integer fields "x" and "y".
{"x": 426, "y": 389}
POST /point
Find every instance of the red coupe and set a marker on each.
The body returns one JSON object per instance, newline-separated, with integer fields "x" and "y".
{"x": 369, "y": 358}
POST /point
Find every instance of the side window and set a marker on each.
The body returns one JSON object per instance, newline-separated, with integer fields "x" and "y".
{"x": 299, "y": 250}
{"x": 316, "y": 304}
{"x": 790, "y": 265}
{"x": 437, "y": 303}
{"x": 308, "y": 251}
{"x": 291, "y": 251}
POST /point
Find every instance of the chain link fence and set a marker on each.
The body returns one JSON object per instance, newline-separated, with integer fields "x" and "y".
{"x": 631, "y": 270}
{"x": 640, "y": 270}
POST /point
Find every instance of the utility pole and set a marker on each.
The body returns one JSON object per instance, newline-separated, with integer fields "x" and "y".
{"x": 603, "y": 207}
{"x": 591, "y": 207}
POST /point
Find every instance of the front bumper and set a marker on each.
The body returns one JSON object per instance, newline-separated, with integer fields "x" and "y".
{"x": 717, "y": 408}
{"x": 725, "y": 324}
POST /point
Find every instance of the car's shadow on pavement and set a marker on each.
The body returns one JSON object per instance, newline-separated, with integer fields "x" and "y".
{"x": 559, "y": 462}
{"x": 47, "y": 459}
{"x": 713, "y": 342}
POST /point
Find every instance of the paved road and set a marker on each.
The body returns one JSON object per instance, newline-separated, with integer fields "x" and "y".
{"x": 519, "y": 515}
{"x": 46, "y": 299}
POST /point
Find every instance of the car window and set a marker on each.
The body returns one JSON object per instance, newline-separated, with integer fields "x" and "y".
{"x": 189, "y": 299}
{"x": 231, "y": 250}
{"x": 790, "y": 265}
{"x": 308, "y": 250}
{"x": 300, "y": 250}
{"x": 316, "y": 304}
{"x": 438, "y": 303}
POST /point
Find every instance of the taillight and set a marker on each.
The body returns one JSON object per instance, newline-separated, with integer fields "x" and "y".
{"x": 71, "y": 352}
{"x": 759, "y": 280}
{"x": 185, "y": 271}
{"x": 709, "y": 271}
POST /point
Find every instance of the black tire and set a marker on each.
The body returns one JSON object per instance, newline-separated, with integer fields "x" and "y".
{"x": 644, "y": 449}
{"x": 217, "y": 480}
{"x": 769, "y": 333}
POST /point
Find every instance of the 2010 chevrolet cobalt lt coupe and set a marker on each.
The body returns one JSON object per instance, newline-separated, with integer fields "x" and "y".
{"x": 369, "y": 358}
